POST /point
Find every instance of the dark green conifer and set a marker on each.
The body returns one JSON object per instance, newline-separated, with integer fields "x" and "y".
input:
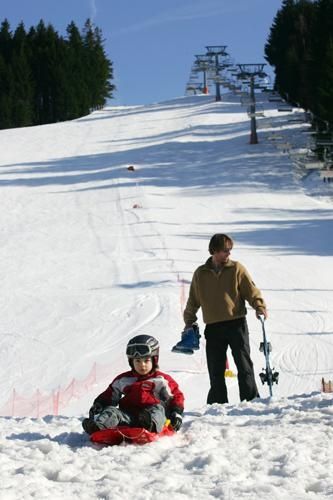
{"x": 45, "y": 78}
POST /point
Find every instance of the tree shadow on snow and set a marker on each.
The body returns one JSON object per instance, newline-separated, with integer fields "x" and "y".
{"x": 225, "y": 165}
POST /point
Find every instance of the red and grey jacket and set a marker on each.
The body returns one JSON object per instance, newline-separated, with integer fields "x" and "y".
{"x": 132, "y": 392}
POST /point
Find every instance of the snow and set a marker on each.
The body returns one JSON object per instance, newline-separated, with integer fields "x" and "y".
{"x": 92, "y": 254}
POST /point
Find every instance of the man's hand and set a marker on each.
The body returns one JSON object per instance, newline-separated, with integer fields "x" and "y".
{"x": 261, "y": 311}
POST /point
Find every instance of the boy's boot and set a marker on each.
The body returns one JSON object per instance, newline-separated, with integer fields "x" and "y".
{"x": 145, "y": 421}
{"x": 90, "y": 426}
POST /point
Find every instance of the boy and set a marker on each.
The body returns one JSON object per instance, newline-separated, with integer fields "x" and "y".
{"x": 141, "y": 397}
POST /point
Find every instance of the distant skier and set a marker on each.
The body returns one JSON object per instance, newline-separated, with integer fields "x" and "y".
{"x": 142, "y": 397}
{"x": 220, "y": 287}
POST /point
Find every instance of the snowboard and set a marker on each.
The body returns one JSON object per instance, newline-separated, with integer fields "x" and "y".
{"x": 130, "y": 435}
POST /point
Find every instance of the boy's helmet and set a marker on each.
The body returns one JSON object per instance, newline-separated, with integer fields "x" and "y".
{"x": 143, "y": 346}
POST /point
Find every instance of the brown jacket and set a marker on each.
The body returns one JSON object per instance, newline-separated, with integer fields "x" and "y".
{"x": 221, "y": 295}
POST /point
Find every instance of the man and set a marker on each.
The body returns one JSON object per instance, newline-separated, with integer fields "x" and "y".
{"x": 220, "y": 287}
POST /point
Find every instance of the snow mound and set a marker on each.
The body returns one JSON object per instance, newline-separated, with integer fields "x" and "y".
{"x": 276, "y": 448}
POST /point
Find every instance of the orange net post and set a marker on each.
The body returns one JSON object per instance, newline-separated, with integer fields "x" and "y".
{"x": 182, "y": 296}
{"x": 55, "y": 398}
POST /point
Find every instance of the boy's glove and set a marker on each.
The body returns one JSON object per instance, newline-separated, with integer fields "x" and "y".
{"x": 176, "y": 420}
{"x": 95, "y": 409}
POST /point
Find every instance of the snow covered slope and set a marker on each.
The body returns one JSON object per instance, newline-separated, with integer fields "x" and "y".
{"x": 93, "y": 253}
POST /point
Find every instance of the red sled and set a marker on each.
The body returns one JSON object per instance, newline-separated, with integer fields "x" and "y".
{"x": 131, "y": 435}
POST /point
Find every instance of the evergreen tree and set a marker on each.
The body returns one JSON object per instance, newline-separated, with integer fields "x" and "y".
{"x": 5, "y": 75}
{"x": 78, "y": 93}
{"x": 46, "y": 78}
{"x": 5, "y": 41}
{"x": 44, "y": 62}
{"x": 323, "y": 61}
{"x": 289, "y": 50}
{"x": 98, "y": 69}
{"x": 22, "y": 111}
{"x": 5, "y": 97}
{"x": 323, "y": 106}
{"x": 300, "y": 49}
{"x": 39, "y": 67}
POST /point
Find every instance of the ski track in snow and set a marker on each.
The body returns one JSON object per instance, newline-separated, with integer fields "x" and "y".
{"x": 92, "y": 254}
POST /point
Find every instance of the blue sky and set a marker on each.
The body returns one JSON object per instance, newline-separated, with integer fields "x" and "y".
{"x": 152, "y": 43}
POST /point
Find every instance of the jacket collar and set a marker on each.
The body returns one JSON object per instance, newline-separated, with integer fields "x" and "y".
{"x": 143, "y": 377}
{"x": 209, "y": 264}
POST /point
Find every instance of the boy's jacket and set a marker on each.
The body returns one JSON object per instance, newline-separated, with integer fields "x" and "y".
{"x": 132, "y": 392}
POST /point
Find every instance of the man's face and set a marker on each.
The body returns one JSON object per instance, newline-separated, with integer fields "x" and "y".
{"x": 222, "y": 256}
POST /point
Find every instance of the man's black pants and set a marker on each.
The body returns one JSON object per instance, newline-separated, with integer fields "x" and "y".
{"x": 219, "y": 336}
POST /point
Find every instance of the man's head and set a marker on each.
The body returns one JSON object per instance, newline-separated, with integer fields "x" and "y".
{"x": 220, "y": 247}
{"x": 220, "y": 242}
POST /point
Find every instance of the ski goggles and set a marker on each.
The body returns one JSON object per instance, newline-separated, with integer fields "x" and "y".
{"x": 138, "y": 351}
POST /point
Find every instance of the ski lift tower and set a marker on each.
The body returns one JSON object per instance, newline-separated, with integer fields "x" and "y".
{"x": 250, "y": 72}
{"x": 203, "y": 64}
{"x": 214, "y": 51}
